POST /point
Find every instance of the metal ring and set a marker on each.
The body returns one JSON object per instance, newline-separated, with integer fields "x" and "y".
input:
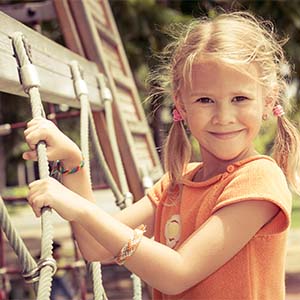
{"x": 34, "y": 274}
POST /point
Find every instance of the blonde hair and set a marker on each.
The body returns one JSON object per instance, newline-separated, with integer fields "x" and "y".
{"x": 234, "y": 38}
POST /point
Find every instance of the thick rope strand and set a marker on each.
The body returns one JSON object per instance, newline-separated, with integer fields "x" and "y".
{"x": 30, "y": 83}
{"x": 107, "y": 100}
{"x": 81, "y": 92}
{"x": 26, "y": 260}
{"x": 95, "y": 270}
{"x": 104, "y": 167}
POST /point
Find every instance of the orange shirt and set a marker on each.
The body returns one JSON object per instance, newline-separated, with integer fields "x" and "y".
{"x": 256, "y": 272}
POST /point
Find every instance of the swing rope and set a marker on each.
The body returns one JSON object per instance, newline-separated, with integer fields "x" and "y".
{"x": 30, "y": 82}
{"x": 82, "y": 94}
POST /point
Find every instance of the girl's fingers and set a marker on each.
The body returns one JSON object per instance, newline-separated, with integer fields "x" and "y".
{"x": 35, "y": 136}
{"x": 35, "y": 121}
{"x": 30, "y": 128}
{"x": 37, "y": 203}
{"x": 37, "y": 197}
{"x": 38, "y": 128}
{"x": 30, "y": 155}
{"x": 37, "y": 184}
{"x": 33, "y": 195}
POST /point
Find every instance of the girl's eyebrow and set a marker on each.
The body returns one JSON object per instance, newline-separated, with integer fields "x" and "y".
{"x": 203, "y": 93}
{"x": 234, "y": 93}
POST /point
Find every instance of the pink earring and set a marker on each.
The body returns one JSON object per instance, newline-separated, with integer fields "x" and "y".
{"x": 177, "y": 117}
{"x": 278, "y": 110}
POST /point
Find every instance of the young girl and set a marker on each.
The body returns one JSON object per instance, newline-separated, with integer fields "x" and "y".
{"x": 220, "y": 226}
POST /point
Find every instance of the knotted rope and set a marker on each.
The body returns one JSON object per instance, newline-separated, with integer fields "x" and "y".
{"x": 30, "y": 81}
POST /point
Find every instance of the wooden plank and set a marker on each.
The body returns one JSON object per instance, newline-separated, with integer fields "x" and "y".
{"x": 105, "y": 33}
{"x": 98, "y": 12}
{"x": 52, "y": 63}
{"x": 138, "y": 128}
{"x": 121, "y": 81}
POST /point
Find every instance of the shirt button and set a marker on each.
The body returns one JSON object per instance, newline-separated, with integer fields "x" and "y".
{"x": 230, "y": 168}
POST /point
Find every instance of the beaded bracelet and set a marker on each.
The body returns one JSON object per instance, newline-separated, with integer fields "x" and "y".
{"x": 130, "y": 247}
{"x": 58, "y": 169}
{"x": 73, "y": 170}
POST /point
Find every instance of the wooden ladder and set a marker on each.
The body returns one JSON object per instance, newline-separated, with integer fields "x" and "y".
{"x": 89, "y": 29}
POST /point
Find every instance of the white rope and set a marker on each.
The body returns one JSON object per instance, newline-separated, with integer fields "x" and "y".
{"x": 82, "y": 95}
{"x": 30, "y": 82}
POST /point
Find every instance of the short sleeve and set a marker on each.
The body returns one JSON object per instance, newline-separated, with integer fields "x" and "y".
{"x": 156, "y": 192}
{"x": 260, "y": 180}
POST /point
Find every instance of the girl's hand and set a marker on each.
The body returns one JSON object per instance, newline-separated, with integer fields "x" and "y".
{"x": 59, "y": 146}
{"x": 49, "y": 192}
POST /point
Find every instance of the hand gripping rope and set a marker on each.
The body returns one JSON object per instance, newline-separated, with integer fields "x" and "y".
{"x": 30, "y": 81}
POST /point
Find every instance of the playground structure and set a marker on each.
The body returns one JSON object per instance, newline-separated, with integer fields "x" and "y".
{"x": 95, "y": 71}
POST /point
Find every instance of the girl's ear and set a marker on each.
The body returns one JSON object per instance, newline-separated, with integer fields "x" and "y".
{"x": 179, "y": 106}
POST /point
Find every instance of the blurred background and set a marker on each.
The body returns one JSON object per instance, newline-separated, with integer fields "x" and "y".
{"x": 141, "y": 24}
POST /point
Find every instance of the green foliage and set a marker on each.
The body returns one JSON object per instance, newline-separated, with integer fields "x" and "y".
{"x": 17, "y": 192}
{"x": 141, "y": 25}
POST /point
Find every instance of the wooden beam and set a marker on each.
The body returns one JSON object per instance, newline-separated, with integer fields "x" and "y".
{"x": 52, "y": 63}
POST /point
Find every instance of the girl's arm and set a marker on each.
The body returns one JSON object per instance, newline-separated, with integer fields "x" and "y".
{"x": 142, "y": 212}
{"x": 211, "y": 246}
{"x": 169, "y": 271}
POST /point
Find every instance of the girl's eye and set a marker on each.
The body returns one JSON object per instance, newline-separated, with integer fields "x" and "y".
{"x": 240, "y": 98}
{"x": 204, "y": 100}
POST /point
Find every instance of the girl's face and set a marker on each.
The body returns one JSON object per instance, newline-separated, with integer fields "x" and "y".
{"x": 223, "y": 108}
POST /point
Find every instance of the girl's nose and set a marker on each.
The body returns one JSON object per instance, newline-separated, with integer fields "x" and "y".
{"x": 224, "y": 114}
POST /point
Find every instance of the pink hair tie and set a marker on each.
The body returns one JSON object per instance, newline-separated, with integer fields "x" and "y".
{"x": 278, "y": 110}
{"x": 177, "y": 117}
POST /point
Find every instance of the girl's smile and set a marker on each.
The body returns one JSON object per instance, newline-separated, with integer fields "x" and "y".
{"x": 226, "y": 135}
